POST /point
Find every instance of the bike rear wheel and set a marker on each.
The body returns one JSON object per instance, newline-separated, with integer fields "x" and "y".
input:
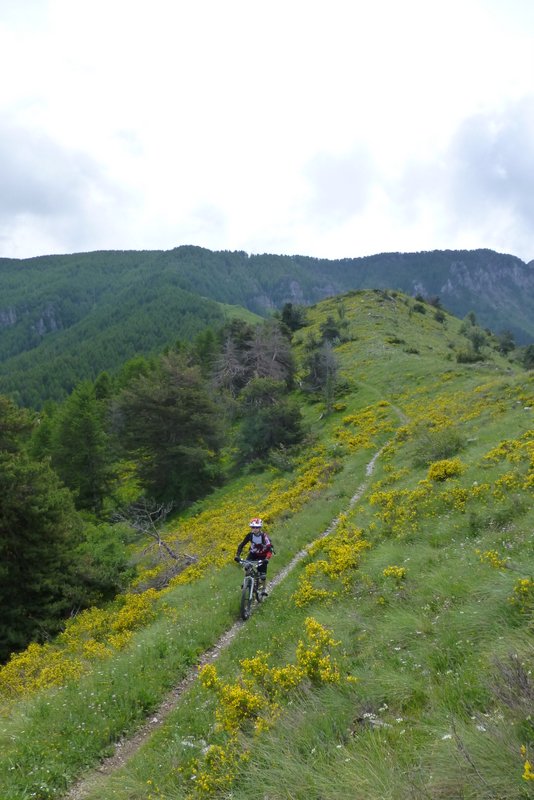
{"x": 246, "y": 598}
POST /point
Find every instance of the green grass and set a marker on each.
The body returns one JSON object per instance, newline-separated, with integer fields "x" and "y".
{"x": 443, "y": 659}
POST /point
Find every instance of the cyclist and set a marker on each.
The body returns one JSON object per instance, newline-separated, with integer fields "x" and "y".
{"x": 261, "y": 548}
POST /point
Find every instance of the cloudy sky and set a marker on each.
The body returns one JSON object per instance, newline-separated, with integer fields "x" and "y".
{"x": 328, "y": 128}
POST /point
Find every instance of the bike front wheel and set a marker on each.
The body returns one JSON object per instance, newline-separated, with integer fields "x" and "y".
{"x": 246, "y": 598}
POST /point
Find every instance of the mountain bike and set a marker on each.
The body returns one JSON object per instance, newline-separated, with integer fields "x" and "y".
{"x": 250, "y": 588}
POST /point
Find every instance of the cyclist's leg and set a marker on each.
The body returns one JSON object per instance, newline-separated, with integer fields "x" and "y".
{"x": 262, "y": 571}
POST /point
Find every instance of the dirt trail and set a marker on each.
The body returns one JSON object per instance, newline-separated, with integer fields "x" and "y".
{"x": 126, "y": 748}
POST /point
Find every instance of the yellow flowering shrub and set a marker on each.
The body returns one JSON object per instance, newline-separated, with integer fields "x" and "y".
{"x": 523, "y": 595}
{"x": 237, "y": 704}
{"x": 208, "y": 676}
{"x": 216, "y": 771}
{"x": 37, "y": 667}
{"x": 137, "y": 611}
{"x": 308, "y": 593}
{"x": 401, "y": 509}
{"x": 255, "y": 699}
{"x": 214, "y": 534}
{"x": 342, "y": 551}
{"x": 313, "y": 657}
{"x": 397, "y": 573}
{"x": 456, "y": 498}
{"x": 514, "y": 450}
{"x": 359, "y": 430}
{"x": 528, "y": 772}
{"x": 444, "y": 469}
{"x": 519, "y": 452}
{"x": 92, "y": 635}
{"x": 492, "y": 557}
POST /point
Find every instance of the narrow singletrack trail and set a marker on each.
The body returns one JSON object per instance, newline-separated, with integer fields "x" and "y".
{"x": 126, "y": 748}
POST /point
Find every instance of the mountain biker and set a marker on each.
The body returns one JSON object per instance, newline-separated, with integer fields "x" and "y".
{"x": 261, "y": 548}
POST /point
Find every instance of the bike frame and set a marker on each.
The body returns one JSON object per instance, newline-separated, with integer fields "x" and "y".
{"x": 249, "y": 589}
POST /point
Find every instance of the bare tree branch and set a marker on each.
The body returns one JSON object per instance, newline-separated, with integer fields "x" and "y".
{"x": 147, "y": 517}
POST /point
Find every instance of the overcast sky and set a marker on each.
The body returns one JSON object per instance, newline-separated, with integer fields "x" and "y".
{"x": 332, "y": 128}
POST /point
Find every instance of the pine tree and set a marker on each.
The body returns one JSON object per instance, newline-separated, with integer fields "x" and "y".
{"x": 269, "y": 418}
{"x": 38, "y": 531}
{"x": 169, "y": 424}
{"x": 80, "y": 451}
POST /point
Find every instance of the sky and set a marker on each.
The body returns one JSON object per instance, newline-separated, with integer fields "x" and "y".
{"x": 331, "y": 128}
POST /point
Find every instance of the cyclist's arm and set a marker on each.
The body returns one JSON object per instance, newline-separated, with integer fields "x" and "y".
{"x": 240, "y": 547}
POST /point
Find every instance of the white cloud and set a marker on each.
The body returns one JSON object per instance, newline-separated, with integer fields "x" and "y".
{"x": 333, "y": 129}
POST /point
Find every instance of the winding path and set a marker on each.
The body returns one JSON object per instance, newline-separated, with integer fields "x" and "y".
{"x": 126, "y": 748}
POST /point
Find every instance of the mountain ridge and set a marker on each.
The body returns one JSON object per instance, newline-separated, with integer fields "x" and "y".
{"x": 45, "y": 298}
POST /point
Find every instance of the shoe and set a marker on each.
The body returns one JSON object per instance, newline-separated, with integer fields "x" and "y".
{"x": 264, "y": 593}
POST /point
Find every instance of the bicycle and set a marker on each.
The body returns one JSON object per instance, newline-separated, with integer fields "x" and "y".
{"x": 250, "y": 587}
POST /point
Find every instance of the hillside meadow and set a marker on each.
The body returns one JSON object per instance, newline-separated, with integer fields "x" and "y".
{"x": 393, "y": 661}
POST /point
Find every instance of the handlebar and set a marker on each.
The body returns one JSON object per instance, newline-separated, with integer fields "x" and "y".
{"x": 251, "y": 562}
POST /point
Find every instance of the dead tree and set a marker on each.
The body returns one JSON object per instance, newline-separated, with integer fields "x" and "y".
{"x": 147, "y": 518}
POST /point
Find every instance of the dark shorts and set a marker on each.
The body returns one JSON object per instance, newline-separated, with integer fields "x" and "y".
{"x": 262, "y": 569}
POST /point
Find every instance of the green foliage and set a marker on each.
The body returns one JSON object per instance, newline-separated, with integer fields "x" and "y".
{"x": 67, "y": 318}
{"x": 102, "y": 563}
{"x": 331, "y": 330}
{"x": 38, "y": 532}
{"x": 293, "y": 317}
{"x": 431, "y": 445}
{"x": 269, "y": 419}
{"x": 321, "y": 369}
{"x": 169, "y": 424}
{"x": 80, "y": 449}
{"x": 205, "y": 350}
{"x": 468, "y": 355}
{"x": 477, "y": 337}
{"x": 506, "y": 342}
{"x": 528, "y": 356}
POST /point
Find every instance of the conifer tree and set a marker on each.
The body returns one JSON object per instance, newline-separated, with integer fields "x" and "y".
{"x": 38, "y": 531}
{"x": 269, "y": 418}
{"x": 169, "y": 424}
{"x": 80, "y": 452}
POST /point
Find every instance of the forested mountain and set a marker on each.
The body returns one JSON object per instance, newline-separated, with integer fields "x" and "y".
{"x": 67, "y": 317}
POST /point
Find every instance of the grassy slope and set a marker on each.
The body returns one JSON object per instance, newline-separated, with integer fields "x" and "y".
{"x": 66, "y": 318}
{"x": 432, "y": 651}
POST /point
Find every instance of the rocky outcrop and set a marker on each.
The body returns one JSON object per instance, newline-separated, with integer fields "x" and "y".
{"x": 8, "y": 317}
{"x": 48, "y": 321}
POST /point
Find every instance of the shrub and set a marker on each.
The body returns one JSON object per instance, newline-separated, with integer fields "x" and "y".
{"x": 442, "y": 470}
{"x": 468, "y": 356}
{"x": 436, "y": 444}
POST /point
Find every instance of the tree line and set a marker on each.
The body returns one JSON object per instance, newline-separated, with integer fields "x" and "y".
{"x": 163, "y": 431}
{"x": 66, "y": 318}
